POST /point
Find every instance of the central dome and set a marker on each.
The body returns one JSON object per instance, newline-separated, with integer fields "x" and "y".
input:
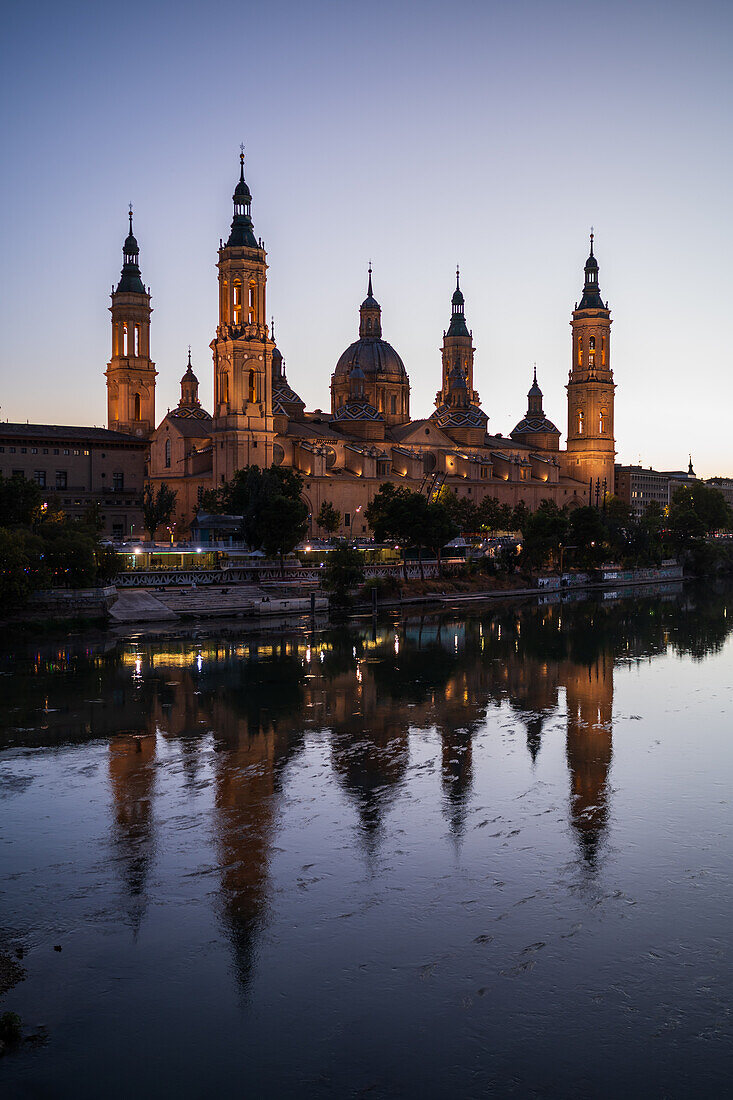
{"x": 376, "y": 358}
{"x": 382, "y": 374}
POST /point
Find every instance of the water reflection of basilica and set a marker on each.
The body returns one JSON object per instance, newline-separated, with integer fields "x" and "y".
{"x": 249, "y": 708}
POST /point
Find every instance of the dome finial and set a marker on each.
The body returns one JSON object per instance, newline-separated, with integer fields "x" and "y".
{"x": 535, "y": 374}
{"x": 272, "y": 328}
{"x": 130, "y": 216}
{"x": 592, "y": 235}
{"x": 458, "y": 277}
{"x": 189, "y": 357}
{"x": 241, "y": 163}
{"x": 370, "y": 293}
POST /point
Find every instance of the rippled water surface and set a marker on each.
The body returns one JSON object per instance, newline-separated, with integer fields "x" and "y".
{"x": 476, "y": 853}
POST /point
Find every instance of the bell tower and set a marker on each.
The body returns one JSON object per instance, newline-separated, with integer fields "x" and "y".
{"x": 130, "y": 372}
{"x": 243, "y": 417}
{"x": 591, "y": 445}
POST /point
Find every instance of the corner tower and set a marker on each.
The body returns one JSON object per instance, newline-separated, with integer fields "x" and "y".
{"x": 458, "y": 410}
{"x": 457, "y": 348}
{"x": 243, "y": 417}
{"x": 130, "y": 372}
{"x": 591, "y": 444}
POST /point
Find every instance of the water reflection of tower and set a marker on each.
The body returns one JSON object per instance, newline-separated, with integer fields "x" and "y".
{"x": 589, "y": 694}
{"x": 247, "y": 766}
{"x": 369, "y": 747}
{"x": 132, "y": 777}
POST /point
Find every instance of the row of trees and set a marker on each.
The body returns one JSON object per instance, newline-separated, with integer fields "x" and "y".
{"x": 585, "y": 537}
{"x": 40, "y": 547}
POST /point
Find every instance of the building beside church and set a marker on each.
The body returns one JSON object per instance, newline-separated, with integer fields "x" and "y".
{"x": 369, "y": 436}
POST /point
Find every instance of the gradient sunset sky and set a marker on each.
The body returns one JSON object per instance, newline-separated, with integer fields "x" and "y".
{"x": 417, "y": 135}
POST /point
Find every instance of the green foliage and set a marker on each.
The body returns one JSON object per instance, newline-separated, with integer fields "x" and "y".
{"x": 70, "y": 555}
{"x": 409, "y": 519}
{"x": 696, "y": 510}
{"x": 493, "y": 516}
{"x": 22, "y": 569}
{"x": 20, "y": 501}
{"x": 587, "y": 533}
{"x": 519, "y": 516}
{"x": 543, "y": 533}
{"x": 274, "y": 514}
{"x": 344, "y": 571}
{"x": 158, "y": 507}
{"x": 461, "y": 510}
{"x": 328, "y": 518}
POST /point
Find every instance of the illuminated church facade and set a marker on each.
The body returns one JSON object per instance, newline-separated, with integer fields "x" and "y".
{"x": 369, "y": 436}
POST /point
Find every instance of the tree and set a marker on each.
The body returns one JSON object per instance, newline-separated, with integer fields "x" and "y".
{"x": 695, "y": 511}
{"x": 344, "y": 571}
{"x": 284, "y": 522}
{"x": 462, "y": 510}
{"x": 489, "y": 514}
{"x": 520, "y": 512}
{"x": 439, "y": 529}
{"x": 157, "y": 507}
{"x": 328, "y": 518}
{"x": 22, "y": 569}
{"x": 587, "y": 533}
{"x": 274, "y": 514}
{"x": 543, "y": 533}
{"x": 392, "y": 516}
{"x": 20, "y": 501}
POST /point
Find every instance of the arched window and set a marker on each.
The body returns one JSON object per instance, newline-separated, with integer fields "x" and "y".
{"x": 580, "y": 351}
{"x": 237, "y": 289}
{"x": 602, "y": 421}
{"x": 225, "y": 302}
{"x": 224, "y": 388}
{"x": 393, "y": 404}
{"x": 167, "y": 452}
{"x": 592, "y": 343}
{"x": 136, "y": 404}
{"x": 603, "y": 351}
{"x": 136, "y": 349}
{"x": 580, "y": 421}
{"x": 252, "y": 303}
{"x": 124, "y": 338}
{"x": 252, "y": 385}
{"x": 369, "y": 324}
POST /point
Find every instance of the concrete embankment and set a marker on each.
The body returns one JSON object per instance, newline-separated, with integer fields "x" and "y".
{"x": 169, "y": 605}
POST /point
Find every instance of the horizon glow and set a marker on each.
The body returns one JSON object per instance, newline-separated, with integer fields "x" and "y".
{"x": 408, "y": 134}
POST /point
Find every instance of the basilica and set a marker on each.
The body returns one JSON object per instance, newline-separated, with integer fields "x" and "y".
{"x": 369, "y": 435}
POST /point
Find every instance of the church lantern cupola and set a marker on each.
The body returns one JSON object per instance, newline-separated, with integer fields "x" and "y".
{"x": 458, "y": 407}
{"x": 534, "y": 428}
{"x": 130, "y": 372}
{"x": 189, "y": 388}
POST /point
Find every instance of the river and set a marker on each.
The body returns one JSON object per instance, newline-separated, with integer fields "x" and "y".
{"x": 471, "y": 853}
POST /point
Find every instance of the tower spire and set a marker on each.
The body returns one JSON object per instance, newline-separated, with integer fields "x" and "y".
{"x": 241, "y": 235}
{"x": 591, "y": 290}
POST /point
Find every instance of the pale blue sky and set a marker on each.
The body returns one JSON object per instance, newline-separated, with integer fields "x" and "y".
{"x": 415, "y": 134}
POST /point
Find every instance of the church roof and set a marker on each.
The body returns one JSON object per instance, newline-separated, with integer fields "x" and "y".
{"x": 530, "y": 424}
{"x": 468, "y": 416}
{"x": 357, "y": 409}
{"x": 59, "y": 433}
{"x": 191, "y": 422}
